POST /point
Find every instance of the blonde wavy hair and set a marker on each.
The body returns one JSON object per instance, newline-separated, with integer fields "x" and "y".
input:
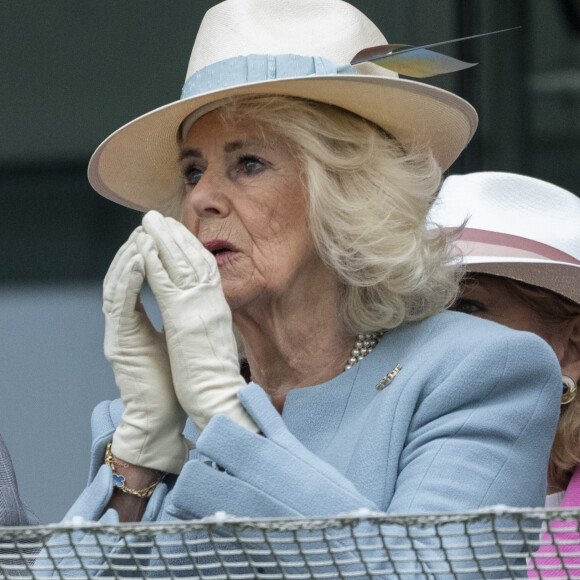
{"x": 368, "y": 202}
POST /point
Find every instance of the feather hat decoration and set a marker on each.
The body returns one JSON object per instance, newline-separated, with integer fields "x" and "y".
{"x": 419, "y": 61}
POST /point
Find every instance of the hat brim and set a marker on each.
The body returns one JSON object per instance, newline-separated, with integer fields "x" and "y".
{"x": 559, "y": 277}
{"x": 137, "y": 166}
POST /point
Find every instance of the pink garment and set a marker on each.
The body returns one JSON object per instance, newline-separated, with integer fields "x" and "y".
{"x": 560, "y": 543}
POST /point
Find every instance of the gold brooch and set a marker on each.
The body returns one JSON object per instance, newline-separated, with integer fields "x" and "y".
{"x": 388, "y": 377}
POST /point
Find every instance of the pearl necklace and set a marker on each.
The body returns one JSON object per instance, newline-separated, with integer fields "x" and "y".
{"x": 363, "y": 345}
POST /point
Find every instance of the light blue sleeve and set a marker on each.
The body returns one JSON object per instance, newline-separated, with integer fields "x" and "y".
{"x": 59, "y": 556}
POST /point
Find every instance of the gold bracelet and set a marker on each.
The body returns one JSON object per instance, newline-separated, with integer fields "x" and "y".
{"x": 119, "y": 480}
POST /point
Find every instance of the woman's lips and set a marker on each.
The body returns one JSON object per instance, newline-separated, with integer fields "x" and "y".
{"x": 223, "y": 251}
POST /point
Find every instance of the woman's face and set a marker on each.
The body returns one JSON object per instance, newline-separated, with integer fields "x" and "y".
{"x": 488, "y": 297}
{"x": 246, "y": 203}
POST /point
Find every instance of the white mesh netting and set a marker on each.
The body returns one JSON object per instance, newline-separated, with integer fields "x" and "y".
{"x": 492, "y": 543}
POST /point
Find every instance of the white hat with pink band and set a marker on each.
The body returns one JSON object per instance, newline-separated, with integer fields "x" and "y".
{"x": 515, "y": 226}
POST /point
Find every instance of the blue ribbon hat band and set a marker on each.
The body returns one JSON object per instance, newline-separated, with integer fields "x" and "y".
{"x": 254, "y": 68}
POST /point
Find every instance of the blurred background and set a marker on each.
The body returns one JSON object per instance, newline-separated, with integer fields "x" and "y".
{"x": 73, "y": 72}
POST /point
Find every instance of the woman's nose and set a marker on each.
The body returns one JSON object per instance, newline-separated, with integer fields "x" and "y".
{"x": 209, "y": 197}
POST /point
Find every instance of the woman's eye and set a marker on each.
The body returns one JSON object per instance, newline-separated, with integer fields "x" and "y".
{"x": 251, "y": 164}
{"x": 467, "y": 306}
{"x": 192, "y": 175}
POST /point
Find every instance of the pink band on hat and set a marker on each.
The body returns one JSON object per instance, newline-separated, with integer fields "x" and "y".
{"x": 487, "y": 243}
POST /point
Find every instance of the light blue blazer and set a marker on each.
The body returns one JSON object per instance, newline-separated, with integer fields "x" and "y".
{"x": 467, "y": 422}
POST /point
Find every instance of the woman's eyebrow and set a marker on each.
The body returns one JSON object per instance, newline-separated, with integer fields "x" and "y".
{"x": 228, "y": 148}
{"x": 234, "y": 145}
{"x": 190, "y": 153}
{"x": 241, "y": 143}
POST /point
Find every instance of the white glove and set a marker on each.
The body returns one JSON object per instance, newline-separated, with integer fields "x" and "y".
{"x": 151, "y": 432}
{"x": 197, "y": 321}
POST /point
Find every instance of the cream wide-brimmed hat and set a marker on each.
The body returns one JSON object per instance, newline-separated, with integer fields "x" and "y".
{"x": 299, "y": 48}
{"x": 519, "y": 227}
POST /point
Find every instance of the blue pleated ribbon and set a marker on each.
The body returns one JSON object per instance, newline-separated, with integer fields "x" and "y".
{"x": 241, "y": 70}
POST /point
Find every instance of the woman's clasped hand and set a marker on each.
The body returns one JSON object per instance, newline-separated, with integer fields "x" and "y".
{"x": 161, "y": 386}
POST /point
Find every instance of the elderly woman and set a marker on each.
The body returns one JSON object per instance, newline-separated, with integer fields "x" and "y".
{"x": 289, "y": 194}
{"x": 521, "y": 247}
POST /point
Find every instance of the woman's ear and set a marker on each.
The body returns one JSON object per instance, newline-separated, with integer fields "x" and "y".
{"x": 570, "y": 361}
